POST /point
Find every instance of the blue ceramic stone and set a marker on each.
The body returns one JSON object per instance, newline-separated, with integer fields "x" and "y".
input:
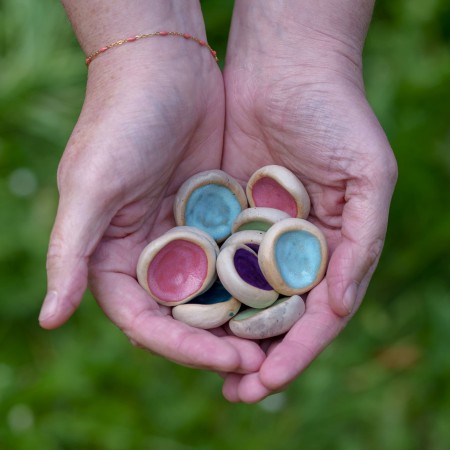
{"x": 215, "y": 294}
{"x": 298, "y": 257}
{"x": 209, "y": 310}
{"x": 213, "y": 209}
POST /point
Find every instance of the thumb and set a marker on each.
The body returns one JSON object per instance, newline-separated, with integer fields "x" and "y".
{"x": 349, "y": 271}
{"x": 79, "y": 226}
{"x": 356, "y": 256}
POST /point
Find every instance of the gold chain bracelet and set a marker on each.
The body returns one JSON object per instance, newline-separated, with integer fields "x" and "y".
{"x": 130, "y": 39}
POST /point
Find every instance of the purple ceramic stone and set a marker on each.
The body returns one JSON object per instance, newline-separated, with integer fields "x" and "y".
{"x": 254, "y": 247}
{"x": 247, "y": 267}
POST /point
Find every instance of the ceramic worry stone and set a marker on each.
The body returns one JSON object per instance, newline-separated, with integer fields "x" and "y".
{"x": 210, "y": 201}
{"x": 211, "y": 309}
{"x": 268, "y": 322}
{"x": 199, "y": 232}
{"x": 250, "y": 238}
{"x": 239, "y": 272}
{"x": 260, "y": 219}
{"x": 277, "y": 187}
{"x": 178, "y": 266}
{"x": 293, "y": 256}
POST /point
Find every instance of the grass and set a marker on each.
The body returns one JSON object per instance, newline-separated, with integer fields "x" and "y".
{"x": 383, "y": 384}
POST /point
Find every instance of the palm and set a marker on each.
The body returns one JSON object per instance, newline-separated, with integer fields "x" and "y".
{"x": 328, "y": 136}
{"x": 145, "y": 214}
{"x": 120, "y": 172}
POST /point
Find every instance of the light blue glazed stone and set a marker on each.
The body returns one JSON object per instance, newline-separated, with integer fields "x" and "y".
{"x": 213, "y": 209}
{"x": 298, "y": 257}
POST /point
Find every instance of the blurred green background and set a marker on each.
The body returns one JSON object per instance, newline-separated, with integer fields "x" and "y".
{"x": 383, "y": 384}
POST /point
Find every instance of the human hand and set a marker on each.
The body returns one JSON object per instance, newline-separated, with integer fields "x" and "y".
{"x": 295, "y": 97}
{"x": 153, "y": 116}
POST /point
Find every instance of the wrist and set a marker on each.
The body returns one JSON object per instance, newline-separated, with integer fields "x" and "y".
{"x": 300, "y": 36}
{"x": 100, "y": 22}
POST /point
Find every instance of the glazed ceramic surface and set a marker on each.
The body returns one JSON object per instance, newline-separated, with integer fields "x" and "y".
{"x": 277, "y": 187}
{"x": 210, "y": 201}
{"x": 211, "y": 309}
{"x": 177, "y": 266}
{"x": 258, "y": 219}
{"x": 238, "y": 270}
{"x": 293, "y": 256}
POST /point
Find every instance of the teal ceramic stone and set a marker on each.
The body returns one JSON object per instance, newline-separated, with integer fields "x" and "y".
{"x": 293, "y": 256}
{"x": 298, "y": 257}
{"x": 209, "y": 310}
{"x": 215, "y": 294}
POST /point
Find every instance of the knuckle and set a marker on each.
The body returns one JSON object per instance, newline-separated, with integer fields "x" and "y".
{"x": 55, "y": 249}
{"x": 374, "y": 252}
{"x": 391, "y": 168}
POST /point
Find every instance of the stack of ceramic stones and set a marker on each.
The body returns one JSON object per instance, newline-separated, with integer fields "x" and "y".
{"x": 269, "y": 253}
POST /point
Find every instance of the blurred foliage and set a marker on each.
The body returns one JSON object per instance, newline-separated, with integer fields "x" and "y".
{"x": 384, "y": 383}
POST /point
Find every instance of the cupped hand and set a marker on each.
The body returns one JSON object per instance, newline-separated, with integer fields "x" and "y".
{"x": 147, "y": 125}
{"x": 315, "y": 121}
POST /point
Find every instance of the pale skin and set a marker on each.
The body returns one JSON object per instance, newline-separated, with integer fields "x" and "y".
{"x": 155, "y": 114}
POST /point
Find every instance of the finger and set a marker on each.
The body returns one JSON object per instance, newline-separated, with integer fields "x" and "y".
{"x": 302, "y": 344}
{"x": 351, "y": 264}
{"x": 248, "y": 389}
{"x": 139, "y": 317}
{"x": 250, "y": 353}
{"x": 78, "y": 227}
{"x": 286, "y": 359}
{"x": 230, "y": 389}
{"x": 364, "y": 223}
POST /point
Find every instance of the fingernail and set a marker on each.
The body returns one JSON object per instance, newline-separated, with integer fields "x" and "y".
{"x": 49, "y": 307}
{"x": 350, "y": 298}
